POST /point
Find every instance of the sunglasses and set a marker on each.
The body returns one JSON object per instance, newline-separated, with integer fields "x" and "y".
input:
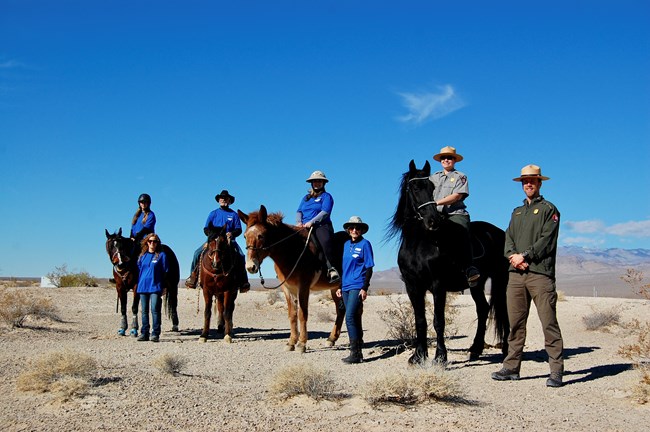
{"x": 354, "y": 227}
{"x": 153, "y": 241}
{"x": 447, "y": 158}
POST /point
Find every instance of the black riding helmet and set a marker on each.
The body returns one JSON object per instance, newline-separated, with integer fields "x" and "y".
{"x": 144, "y": 198}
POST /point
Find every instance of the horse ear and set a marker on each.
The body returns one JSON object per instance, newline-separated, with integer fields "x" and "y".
{"x": 263, "y": 213}
{"x": 427, "y": 168}
{"x": 107, "y": 234}
{"x": 119, "y": 232}
{"x": 243, "y": 216}
{"x": 412, "y": 165}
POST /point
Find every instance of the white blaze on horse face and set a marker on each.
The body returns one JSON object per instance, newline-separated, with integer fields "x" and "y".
{"x": 252, "y": 262}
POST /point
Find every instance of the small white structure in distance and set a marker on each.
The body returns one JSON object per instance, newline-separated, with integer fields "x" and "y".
{"x": 46, "y": 282}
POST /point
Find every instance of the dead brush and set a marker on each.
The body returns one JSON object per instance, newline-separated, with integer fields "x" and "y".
{"x": 303, "y": 379}
{"x": 272, "y": 296}
{"x": 171, "y": 364}
{"x": 65, "y": 374}
{"x": 412, "y": 387}
{"x": 16, "y": 305}
{"x": 602, "y": 319}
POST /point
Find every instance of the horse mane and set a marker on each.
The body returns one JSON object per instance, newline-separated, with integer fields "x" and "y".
{"x": 274, "y": 219}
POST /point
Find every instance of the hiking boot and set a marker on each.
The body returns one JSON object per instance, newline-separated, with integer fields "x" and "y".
{"x": 333, "y": 275}
{"x": 190, "y": 282}
{"x": 155, "y": 338}
{"x": 554, "y": 380}
{"x": 473, "y": 275}
{"x": 143, "y": 337}
{"x": 356, "y": 356}
{"x": 505, "y": 374}
{"x": 245, "y": 287}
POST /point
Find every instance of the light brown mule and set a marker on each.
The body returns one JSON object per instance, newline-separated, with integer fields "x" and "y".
{"x": 298, "y": 266}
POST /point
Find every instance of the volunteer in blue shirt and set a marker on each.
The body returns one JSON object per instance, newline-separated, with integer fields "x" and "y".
{"x": 314, "y": 211}
{"x": 153, "y": 268}
{"x": 144, "y": 220}
{"x": 223, "y": 216}
{"x": 358, "y": 262}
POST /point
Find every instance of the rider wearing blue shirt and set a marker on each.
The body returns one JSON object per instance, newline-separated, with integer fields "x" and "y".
{"x": 223, "y": 216}
{"x": 358, "y": 262}
{"x": 153, "y": 267}
{"x": 314, "y": 211}
{"x": 144, "y": 220}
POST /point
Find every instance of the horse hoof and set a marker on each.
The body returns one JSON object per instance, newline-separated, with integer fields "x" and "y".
{"x": 133, "y": 332}
{"x": 330, "y": 343}
{"x": 203, "y": 340}
{"x": 175, "y": 328}
{"x": 302, "y": 348}
{"x": 121, "y": 332}
{"x": 290, "y": 347}
{"x": 227, "y": 339}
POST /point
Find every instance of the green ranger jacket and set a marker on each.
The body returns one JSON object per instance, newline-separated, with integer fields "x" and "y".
{"x": 533, "y": 230}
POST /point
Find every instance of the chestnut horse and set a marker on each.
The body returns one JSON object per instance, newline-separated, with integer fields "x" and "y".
{"x": 217, "y": 278}
{"x": 298, "y": 265}
{"x": 426, "y": 264}
{"x": 123, "y": 253}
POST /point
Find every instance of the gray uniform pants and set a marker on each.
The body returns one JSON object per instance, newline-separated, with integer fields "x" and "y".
{"x": 522, "y": 288}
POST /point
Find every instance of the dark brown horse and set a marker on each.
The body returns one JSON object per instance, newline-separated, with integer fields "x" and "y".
{"x": 217, "y": 278}
{"x": 298, "y": 265}
{"x": 123, "y": 253}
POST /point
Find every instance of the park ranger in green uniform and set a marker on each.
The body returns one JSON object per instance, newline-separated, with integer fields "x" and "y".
{"x": 531, "y": 246}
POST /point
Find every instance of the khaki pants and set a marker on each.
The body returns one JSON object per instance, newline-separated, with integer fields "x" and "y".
{"x": 522, "y": 288}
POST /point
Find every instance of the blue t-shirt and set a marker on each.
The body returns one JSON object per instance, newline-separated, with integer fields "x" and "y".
{"x": 221, "y": 217}
{"x": 310, "y": 208}
{"x": 152, "y": 272}
{"x": 357, "y": 257}
{"x": 139, "y": 225}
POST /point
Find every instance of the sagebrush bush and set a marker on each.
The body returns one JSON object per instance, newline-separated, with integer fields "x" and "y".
{"x": 412, "y": 387}
{"x": 600, "y": 320}
{"x": 305, "y": 379}
{"x": 65, "y": 374}
{"x": 272, "y": 296}
{"x": 171, "y": 364}
{"x": 16, "y": 305}
{"x": 61, "y": 277}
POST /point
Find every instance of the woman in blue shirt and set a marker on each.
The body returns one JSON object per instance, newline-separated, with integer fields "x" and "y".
{"x": 153, "y": 267}
{"x": 314, "y": 211}
{"x": 144, "y": 220}
{"x": 358, "y": 262}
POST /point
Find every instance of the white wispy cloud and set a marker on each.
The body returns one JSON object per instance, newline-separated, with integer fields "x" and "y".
{"x": 624, "y": 229}
{"x": 427, "y": 106}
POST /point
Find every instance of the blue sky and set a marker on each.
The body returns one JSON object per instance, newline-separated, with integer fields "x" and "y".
{"x": 101, "y": 101}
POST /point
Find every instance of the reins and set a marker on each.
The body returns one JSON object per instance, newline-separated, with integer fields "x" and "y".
{"x": 294, "y": 266}
{"x": 416, "y": 209}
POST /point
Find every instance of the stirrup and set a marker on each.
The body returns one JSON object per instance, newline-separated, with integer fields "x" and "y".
{"x": 333, "y": 275}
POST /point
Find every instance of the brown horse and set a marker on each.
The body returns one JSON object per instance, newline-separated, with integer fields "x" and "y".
{"x": 218, "y": 280}
{"x": 298, "y": 264}
{"x": 123, "y": 253}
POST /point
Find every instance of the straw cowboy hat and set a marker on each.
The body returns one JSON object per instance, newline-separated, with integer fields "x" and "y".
{"x": 531, "y": 171}
{"x": 317, "y": 175}
{"x": 356, "y": 220}
{"x": 224, "y": 194}
{"x": 448, "y": 151}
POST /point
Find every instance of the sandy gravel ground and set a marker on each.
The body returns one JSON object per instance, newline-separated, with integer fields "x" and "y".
{"x": 226, "y": 386}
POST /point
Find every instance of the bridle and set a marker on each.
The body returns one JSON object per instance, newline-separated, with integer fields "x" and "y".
{"x": 216, "y": 260}
{"x": 416, "y": 208}
{"x": 267, "y": 248}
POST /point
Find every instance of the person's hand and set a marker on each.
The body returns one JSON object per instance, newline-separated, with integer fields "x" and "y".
{"x": 308, "y": 225}
{"x": 339, "y": 294}
{"x": 363, "y": 294}
{"x": 518, "y": 261}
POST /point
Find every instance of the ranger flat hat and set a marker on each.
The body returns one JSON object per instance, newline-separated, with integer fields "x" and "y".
{"x": 448, "y": 151}
{"x": 224, "y": 194}
{"x": 356, "y": 220}
{"x": 317, "y": 175}
{"x": 531, "y": 171}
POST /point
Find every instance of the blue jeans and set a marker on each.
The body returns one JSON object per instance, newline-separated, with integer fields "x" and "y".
{"x": 353, "y": 312}
{"x": 153, "y": 299}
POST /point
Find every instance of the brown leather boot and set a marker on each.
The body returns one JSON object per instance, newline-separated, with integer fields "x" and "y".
{"x": 190, "y": 282}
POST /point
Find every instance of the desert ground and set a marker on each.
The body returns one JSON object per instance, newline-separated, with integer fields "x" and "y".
{"x": 228, "y": 386}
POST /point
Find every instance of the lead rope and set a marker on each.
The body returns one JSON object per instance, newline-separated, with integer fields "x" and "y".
{"x": 294, "y": 266}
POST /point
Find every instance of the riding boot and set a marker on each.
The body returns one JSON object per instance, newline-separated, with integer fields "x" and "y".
{"x": 355, "y": 353}
{"x": 190, "y": 282}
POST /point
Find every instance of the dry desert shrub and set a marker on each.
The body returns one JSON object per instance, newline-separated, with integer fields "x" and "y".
{"x": 561, "y": 296}
{"x": 412, "y": 387}
{"x": 634, "y": 278}
{"x": 61, "y": 277}
{"x": 171, "y": 364}
{"x": 272, "y": 296}
{"x": 639, "y": 353}
{"x": 65, "y": 374}
{"x": 601, "y": 320}
{"x": 303, "y": 379}
{"x": 17, "y": 305}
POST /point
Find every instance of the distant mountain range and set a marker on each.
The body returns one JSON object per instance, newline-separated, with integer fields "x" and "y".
{"x": 580, "y": 272}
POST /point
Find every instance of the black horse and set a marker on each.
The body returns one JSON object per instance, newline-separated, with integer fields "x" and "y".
{"x": 123, "y": 253}
{"x": 426, "y": 263}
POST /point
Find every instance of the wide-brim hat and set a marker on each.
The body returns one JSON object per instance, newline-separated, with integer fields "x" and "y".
{"x": 356, "y": 220}
{"x": 224, "y": 194}
{"x": 448, "y": 151}
{"x": 317, "y": 175}
{"x": 531, "y": 171}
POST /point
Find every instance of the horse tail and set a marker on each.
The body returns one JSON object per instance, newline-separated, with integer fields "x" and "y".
{"x": 498, "y": 306}
{"x": 173, "y": 278}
